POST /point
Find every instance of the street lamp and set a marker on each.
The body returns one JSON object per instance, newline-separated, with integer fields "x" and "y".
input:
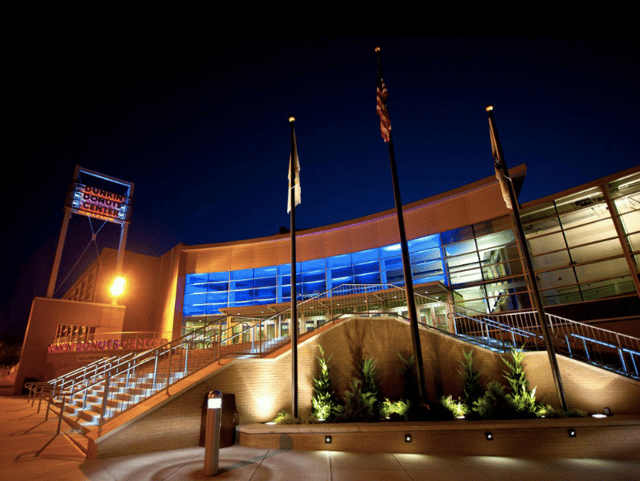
{"x": 117, "y": 288}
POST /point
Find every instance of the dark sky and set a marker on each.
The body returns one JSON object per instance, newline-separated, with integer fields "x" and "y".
{"x": 200, "y": 126}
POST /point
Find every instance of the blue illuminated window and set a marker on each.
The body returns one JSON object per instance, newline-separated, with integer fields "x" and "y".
{"x": 206, "y": 294}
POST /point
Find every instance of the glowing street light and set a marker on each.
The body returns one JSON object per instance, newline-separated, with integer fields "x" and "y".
{"x": 117, "y": 288}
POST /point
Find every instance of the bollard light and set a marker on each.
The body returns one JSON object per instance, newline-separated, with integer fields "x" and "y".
{"x": 212, "y": 434}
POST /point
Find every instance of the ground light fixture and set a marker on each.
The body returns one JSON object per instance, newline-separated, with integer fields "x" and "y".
{"x": 607, "y": 413}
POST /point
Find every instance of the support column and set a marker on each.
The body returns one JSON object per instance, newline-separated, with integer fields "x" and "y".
{"x": 615, "y": 216}
{"x": 56, "y": 262}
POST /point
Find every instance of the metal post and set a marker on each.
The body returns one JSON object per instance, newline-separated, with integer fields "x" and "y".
{"x": 40, "y": 400}
{"x": 155, "y": 368}
{"x": 615, "y": 217}
{"x": 56, "y": 261}
{"x": 528, "y": 264}
{"x": 219, "y": 340}
{"x": 61, "y": 413}
{"x": 46, "y": 415}
{"x": 212, "y": 433}
{"x": 169, "y": 366}
{"x": 293, "y": 333}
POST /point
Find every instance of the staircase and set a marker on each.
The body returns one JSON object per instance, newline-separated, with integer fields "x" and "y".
{"x": 97, "y": 393}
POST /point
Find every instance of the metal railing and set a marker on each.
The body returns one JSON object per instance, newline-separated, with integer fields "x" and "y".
{"x": 591, "y": 344}
{"x": 109, "y": 387}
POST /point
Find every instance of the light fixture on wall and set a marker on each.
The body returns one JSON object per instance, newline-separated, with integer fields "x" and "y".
{"x": 117, "y": 288}
{"x": 489, "y": 436}
{"x": 571, "y": 432}
{"x": 407, "y": 438}
{"x": 327, "y": 439}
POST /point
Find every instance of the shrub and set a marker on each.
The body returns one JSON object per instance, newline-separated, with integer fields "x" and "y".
{"x": 551, "y": 412}
{"x": 323, "y": 402}
{"x": 361, "y": 400}
{"x": 394, "y": 410}
{"x": 522, "y": 400}
{"x": 285, "y": 417}
{"x": 410, "y": 378}
{"x": 515, "y": 375}
{"x": 471, "y": 385}
{"x": 457, "y": 408}
{"x": 369, "y": 379}
{"x": 494, "y": 403}
{"x": 360, "y": 404}
{"x": 497, "y": 403}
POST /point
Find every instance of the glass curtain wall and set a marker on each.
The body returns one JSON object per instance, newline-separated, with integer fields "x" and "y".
{"x": 484, "y": 268}
{"x": 576, "y": 252}
{"x": 480, "y": 264}
{"x": 206, "y": 294}
{"x": 625, "y": 194}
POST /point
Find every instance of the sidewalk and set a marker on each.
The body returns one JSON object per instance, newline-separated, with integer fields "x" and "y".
{"x": 30, "y": 450}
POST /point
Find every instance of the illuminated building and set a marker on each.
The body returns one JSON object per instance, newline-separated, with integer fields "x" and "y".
{"x": 585, "y": 245}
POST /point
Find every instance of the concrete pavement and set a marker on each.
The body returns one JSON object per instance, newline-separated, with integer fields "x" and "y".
{"x": 30, "y": 450}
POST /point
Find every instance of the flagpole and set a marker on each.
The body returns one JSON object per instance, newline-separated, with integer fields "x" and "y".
{"x": 294, "y": 306}
{"x": 501, "y": 170}
{"x": 385, "y": 126}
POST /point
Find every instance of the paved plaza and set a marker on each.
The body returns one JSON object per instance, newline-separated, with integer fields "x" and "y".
{"x": 30, "y": 450}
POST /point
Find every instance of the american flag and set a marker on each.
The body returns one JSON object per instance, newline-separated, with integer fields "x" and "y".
{"x": 381, "y": 108}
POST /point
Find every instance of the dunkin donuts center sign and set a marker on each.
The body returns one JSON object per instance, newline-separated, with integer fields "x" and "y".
{"x": 106, "y": 345}
{"x": 100, "y": 203}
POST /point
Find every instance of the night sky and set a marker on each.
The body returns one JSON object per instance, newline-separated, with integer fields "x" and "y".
{"x": 201, "y": 127}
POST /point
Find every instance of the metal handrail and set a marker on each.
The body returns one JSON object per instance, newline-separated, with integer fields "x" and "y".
{"x": 99, "y": 369}
{"x": 495, "y": 331}
{"x": 126, "y": 368}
